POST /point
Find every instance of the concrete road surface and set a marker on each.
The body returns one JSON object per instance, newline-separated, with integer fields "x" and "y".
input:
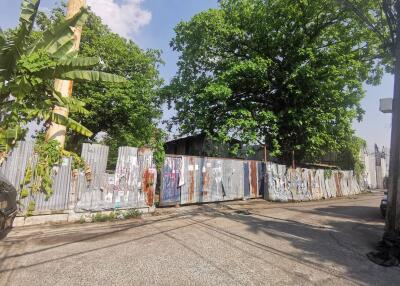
{"x": 235, "y": 243}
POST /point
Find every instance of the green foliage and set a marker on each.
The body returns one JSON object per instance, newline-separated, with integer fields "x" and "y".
{"x": 381, "y": 18}
{"x": 127, "y": 113}
{"x": 29, "y": 64}
{"x": 31, "y": 208}
{"x": 82, "y": 219}
{"x": 129, "y": 214}
{"x": 8, "y": 140}
{"x": 38, "y": 174}
{"x": 328, "y": 174}
{"x": 99, "y": 217}
{"x": 132, "y": 213}
{"x": 24, "y": 193}
{"x": 349, "y": 158}
{"x": 286, "y": 73}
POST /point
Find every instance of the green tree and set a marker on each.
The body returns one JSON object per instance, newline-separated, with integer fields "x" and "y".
{"x": 29, "y": 65}
{"x": 127, "y": 113}
{"x": 281, "y": 72}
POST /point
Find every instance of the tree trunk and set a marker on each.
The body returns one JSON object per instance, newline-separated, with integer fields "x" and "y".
{"x": 393, "y": 212}
{"x": 64, "y": 87}
{"x": 389, "y": 248}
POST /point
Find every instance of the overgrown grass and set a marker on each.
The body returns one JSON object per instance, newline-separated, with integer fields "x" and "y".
{"x": 115, "y": 215}
{"x": 31, "y": 208}
{"x": 132, "y": 213}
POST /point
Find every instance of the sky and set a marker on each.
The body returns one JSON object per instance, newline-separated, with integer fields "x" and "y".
{"x": 150, "y": 23}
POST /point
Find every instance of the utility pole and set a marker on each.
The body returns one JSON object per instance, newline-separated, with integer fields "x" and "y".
{"x": 392, "y": 228}
{"x": 389, "y": 249}
{"x": 64, "y": 87}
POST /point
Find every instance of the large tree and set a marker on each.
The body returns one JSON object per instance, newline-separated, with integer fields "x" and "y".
{"x": 127, "y": 113}
{"x": 285, "y": 73}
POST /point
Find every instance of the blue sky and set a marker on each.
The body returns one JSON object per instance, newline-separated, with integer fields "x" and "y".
{"x": 152, "y": 27}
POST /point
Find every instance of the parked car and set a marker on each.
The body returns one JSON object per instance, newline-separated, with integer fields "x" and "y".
{"x": 383, "y": 206}
{"x": 8, "y": 206}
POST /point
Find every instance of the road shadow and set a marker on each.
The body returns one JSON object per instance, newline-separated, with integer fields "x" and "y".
{"x": 348, "y": 233}
{"x": 342, "y": 242}
{"x": 364, "y": 213}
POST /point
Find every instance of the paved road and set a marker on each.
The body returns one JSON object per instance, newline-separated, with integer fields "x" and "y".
{"x": 236, "y": 243}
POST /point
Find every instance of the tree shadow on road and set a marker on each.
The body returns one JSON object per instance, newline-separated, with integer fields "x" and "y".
{"x": 343, "y": 241}
{"x": 347, "y": 234}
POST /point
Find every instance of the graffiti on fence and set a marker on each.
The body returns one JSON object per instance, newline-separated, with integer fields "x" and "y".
{"x": 209, "y": 180}
{"x": 286, "y": 184}
{"x": 170, "y": 193}
{"x": 131, "y": 186}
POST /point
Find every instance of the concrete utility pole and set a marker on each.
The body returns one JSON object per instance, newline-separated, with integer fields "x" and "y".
{"x": 389, "y": 249}
{"x": 64, "y": 87}
{"x": 393, "y": 212}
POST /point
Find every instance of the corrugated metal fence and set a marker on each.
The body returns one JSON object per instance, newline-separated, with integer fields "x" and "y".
{"x": 185, "y": 180}
{"x": 286, "y": 184}
{"x": 132, "y": 185}
{"x": 188, "y": 180}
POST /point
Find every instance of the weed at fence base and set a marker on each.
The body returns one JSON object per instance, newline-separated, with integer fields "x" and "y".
{"x": 112, "y": 216}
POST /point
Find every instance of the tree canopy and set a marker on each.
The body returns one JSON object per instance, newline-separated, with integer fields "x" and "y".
{"x": 29, "y": 64}
{"x": 281, "y": 72}
{"x": 127, "y": 113}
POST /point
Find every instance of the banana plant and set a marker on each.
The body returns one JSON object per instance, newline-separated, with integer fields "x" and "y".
{"x": 29, "y": 64}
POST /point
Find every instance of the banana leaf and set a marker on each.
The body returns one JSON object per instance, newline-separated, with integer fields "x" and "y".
{"x": 70, "y": 123}
{"x": 58, "y": 40}
{"x": 86, "y": 75}
{"x": 13, "y": 48}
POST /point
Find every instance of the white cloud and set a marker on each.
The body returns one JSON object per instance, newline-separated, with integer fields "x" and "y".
{"x": 125, "y": 19}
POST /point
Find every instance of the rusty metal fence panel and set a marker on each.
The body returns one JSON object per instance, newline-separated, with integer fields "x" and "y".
{"x": 93, "y": 195}
{"x": 131, "y": 186}
{"x": 190, "y": 180}
{"x": 251, "y": 189}
{"x": 127, "y": 178}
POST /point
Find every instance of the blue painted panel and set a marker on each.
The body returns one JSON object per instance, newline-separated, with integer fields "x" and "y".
{"x": 261, "y": 178}
{"x": 246, "y": 179}
{"x": 170, "y": 191}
